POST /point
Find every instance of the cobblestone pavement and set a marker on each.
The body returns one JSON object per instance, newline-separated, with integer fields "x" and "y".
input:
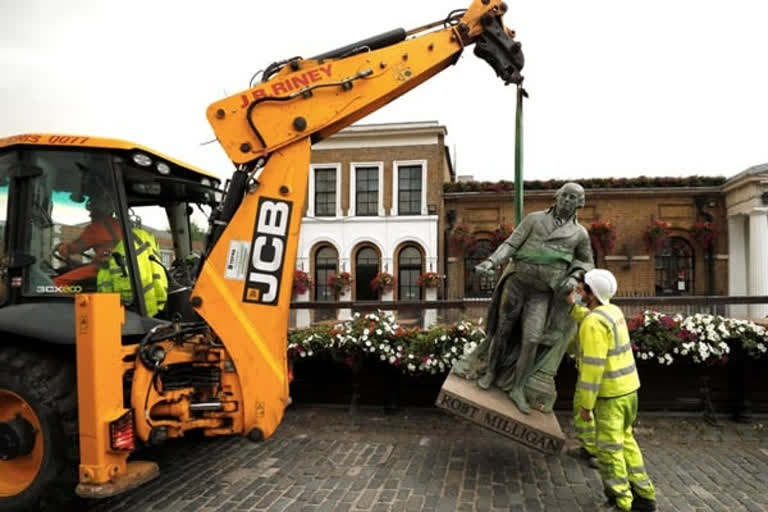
{"x": 327, "y": 459}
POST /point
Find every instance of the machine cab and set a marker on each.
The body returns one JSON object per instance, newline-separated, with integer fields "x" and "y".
{"x": 68, "y": 205}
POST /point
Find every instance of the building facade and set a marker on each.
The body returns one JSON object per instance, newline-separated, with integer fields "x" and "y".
{"x": 374, "y": 206}
{"x": 384, "y": 198}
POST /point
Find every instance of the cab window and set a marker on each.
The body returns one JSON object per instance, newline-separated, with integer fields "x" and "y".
{"x": 73, "y": 227}
{"x": 6, "y": 159}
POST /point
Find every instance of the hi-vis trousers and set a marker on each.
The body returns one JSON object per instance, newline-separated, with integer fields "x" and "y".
{"x": 585, "y": 430}
{"x": 618, "y": 455}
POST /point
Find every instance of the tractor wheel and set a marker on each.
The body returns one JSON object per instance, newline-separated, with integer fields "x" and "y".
{"x": 39, "y": 449}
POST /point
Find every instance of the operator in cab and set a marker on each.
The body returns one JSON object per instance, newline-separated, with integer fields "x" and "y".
{"x": 101, "y": 235}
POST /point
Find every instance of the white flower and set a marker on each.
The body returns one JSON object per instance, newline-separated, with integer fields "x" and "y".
{"x": 310, "y": 353}
{"x": 443, "y": 337}
{"x": 411, "y": 367}
{"x": 392, "y": 359}
{"x": 365, "y": 332}
{"x": 378, "y": 331}
{"x": 383, "y": 357}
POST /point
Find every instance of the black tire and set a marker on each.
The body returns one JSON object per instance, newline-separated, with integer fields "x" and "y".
{"x": 48, "y": 384}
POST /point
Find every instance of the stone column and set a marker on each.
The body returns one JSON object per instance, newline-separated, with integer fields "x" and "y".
{"x": 430, "y": 315}
{"x": 737, "y": 263}
{"x": 303, "y": 315}
{"x": 758, "y": 260}
{"x": 345, "y": 296}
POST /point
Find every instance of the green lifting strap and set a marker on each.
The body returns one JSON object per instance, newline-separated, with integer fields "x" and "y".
{"x": 543, "y": 256}
{"x": 521, "y": 93}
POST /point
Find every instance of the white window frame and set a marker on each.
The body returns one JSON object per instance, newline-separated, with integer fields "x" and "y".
{"x": 311, "y": 191}
{"x": 353, "y": 186}
{"x": 396, "y": 190}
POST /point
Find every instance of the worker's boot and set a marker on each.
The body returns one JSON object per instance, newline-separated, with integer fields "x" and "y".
{"x": 641, "y": 504}
{"x": 517, "y": 395}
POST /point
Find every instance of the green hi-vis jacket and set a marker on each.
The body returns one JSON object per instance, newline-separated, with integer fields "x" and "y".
{"x": 117, "y": 279}
{"x": 606, "y": 363}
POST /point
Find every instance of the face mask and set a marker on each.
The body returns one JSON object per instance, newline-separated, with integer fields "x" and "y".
{"x": 579, "y": 300}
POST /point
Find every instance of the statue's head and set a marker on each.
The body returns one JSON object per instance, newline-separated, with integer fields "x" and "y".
{"x": 568, "y": 199}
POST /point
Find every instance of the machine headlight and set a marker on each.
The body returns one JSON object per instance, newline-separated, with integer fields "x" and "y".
{"x": 205, "y": 182}
{"x": 142, "y": 159}
{"x": 163, "y": 168}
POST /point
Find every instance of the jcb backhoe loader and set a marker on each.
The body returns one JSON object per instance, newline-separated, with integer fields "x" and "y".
{"x": 188, "y": 339}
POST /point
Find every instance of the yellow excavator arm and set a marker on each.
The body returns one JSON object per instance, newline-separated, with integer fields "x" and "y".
{"x": 319, "y": 96}
{"x": 244, "y": 287}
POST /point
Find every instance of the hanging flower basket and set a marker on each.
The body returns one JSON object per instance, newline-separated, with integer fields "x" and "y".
{"x": 301, "y": 282}
{"x": 500, "y": 234}
{"x": 603, "y": 235}
{"x": 339, "y": 282}
{"x": 461, "y": 238}
{"x": 703, "y": 233}
{"x": 429, "y": 279}
{"x": 656, "y": 234}
{"x": 383, "y": 282}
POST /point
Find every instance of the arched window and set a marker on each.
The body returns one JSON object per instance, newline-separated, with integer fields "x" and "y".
{"x": 366, "y": 268}
{"x": 408, "y": 271}
{"x": 674, "y": 267}
{"x": 476, "y": 285}
{"x": 326, "y": 263}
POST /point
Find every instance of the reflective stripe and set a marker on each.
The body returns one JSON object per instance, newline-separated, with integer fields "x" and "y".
{"x": 642, "y": 483}
{"x": 589, "y": 386}
{"x": 597, "y": 361}
{"x": 117, "y": 270}
{"x": 583, "y": 430}
{"x": 616, "y": 481}
{"x": 143, "y": 247}
{"x": 611, "y": 447}
{"x": 636, "y": 469}
{"x": 610, "y": 321}
{"x": 148, "y": 287}
{"x": 155, "y": 276}
{"x": 620, "y": 350}
{"x": 620, "y": 372}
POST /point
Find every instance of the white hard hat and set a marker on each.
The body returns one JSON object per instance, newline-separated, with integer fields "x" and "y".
{"x": 602, "y": 283}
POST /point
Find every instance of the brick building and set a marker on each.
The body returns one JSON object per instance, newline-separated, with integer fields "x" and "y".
{"x": 679, "y": 267}
{"x": 384, "y": 198}
{"x": 374, "y": 205}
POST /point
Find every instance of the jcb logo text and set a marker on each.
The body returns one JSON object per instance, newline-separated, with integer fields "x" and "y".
{"x": 265, "y": 265}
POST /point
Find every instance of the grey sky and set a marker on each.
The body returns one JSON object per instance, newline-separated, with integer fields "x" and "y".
{"x": 618, "y": 88}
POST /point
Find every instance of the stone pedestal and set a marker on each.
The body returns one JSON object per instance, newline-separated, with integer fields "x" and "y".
{"x": 495, "y": 411}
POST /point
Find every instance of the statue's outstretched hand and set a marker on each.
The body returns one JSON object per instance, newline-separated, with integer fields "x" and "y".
{"x": 486, "y": 268}
{"x": 568, "y": 285}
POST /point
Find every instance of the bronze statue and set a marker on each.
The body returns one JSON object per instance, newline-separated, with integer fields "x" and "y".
{"x": 528, "y": 322}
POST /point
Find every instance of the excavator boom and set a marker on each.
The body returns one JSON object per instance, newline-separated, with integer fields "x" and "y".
{"x": 244, "y": 288}
{"x": 317, "y": 97}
